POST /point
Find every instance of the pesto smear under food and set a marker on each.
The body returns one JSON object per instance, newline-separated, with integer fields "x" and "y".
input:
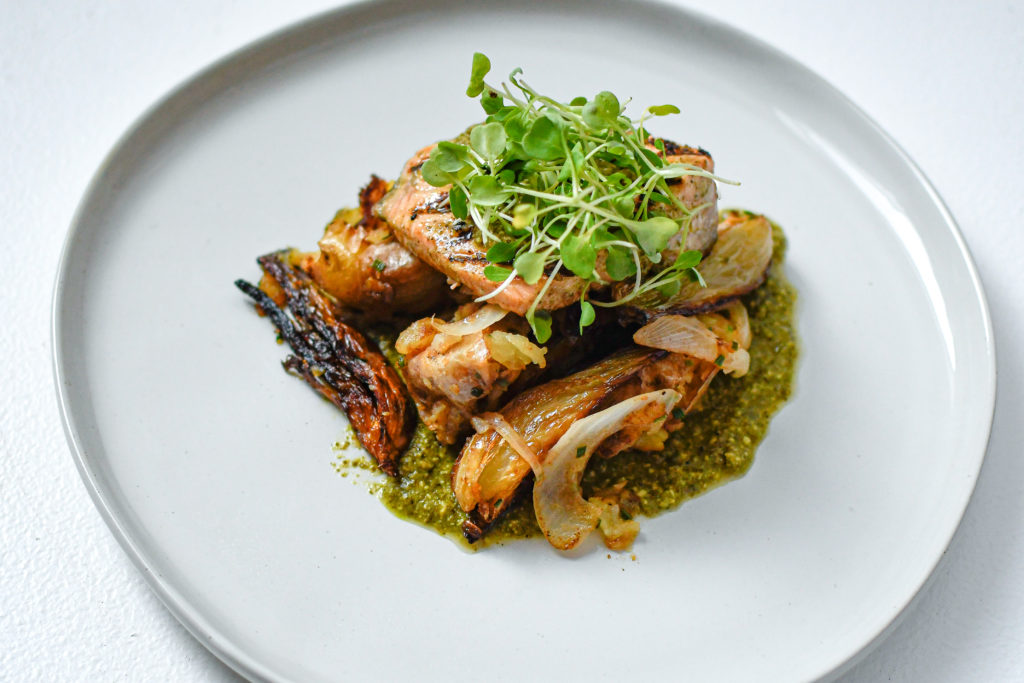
{"x": 716, "y": 443}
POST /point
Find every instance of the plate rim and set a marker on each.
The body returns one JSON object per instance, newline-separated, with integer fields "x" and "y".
{"x": 190, "y": 617}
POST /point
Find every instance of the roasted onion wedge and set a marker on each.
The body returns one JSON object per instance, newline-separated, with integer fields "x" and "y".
{"x": 721, "y": 338}
{"x": 488, "y": 472}
{"x": 334, "y": 358}
{"x": 736, "y": 265}
{"x": 564, "y": 516}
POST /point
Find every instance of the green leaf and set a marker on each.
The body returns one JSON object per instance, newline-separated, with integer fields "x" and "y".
{"x": 540, "y": 322}
{"x": 457, "y": 200}
{"x": 669, "y": 289}
{"x": 501, "y": 252}
{"x": 587, "y": 314}
{"x": 603, "y": 112}
{"x": 601, "y": 237}
{"x": 488, "y": 140}
{"x": 625, "y": 206}
{"x": 523, "y": 215}
{"x": 530, "y": 266}
{"x": 663, "y": 109}
{"x": 481, "y": 65}
{"x": 697, "y": 277}
{"x": 435, "y": 175}
{"x": 496, "y": 273}
{"x": 504, "y": 113}
{"x": 654, "y": 233}
{"x": 576, "y": 157}
{"x": 659, "y": 197}
{"x": 619, "y": 263}
{"x": 492, "y": 102}
{"x": 688, "y": 259}
{"x": 578, "y": 256}
{"x": 655, "y": 160}
{"x": 543, "y": 140}
{"x": 515, "y": 129}
{"x": 449, "y": 156}
{"x": 566, "y": 170}
{"x": 578, "y": 101}
{"x": 485, "y": 190}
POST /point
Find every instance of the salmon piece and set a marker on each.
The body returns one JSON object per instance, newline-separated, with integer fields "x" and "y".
{"x": 451, "y": 378}
{"x": 419, "y": 214}
{"x": 693, "y": 191}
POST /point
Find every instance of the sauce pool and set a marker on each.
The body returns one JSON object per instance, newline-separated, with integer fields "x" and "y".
{"x": 715, "y": 445}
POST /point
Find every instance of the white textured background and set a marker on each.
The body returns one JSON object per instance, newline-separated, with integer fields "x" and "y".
{"x": 946, "y": 79}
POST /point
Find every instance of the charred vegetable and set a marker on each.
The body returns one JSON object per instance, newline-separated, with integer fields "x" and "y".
{"x": 563, "y": 514}
{"x": 334, "y": 358}
{"x": 736, "y": 265}
{"x": 489, "y": 470}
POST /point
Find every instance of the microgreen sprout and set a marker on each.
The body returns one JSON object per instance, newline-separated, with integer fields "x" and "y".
{"x": 567, "y": 188}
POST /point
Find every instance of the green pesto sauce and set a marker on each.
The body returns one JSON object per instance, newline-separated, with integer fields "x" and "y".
{"x": 715, "y": 445}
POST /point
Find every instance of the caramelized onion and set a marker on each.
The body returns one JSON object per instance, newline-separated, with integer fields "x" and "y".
{"x": 563, "y": 514}
{"x": 738, "y": 315}
{"x": 679, "y": 334}
{"x": 736, "y": 265}
{"x": 474, "y": 322}
{"x": 515, "y": 351}
{"x": 706, "y": 337}
{"x": 485, "y": 421}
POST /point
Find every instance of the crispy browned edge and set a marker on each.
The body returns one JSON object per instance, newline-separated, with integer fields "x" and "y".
{"x": 335, "y": 359}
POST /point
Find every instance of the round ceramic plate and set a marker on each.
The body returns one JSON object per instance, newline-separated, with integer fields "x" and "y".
{"x": 214, "y": 468}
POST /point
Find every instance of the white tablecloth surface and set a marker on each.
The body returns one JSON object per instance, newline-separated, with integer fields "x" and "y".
{"x": 945, "y": 78}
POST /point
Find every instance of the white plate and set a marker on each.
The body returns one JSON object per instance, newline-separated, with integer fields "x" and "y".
{"x": 213, "y": 468}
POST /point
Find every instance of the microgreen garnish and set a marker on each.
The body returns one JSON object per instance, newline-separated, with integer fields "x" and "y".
{"x": 566, "y": 188}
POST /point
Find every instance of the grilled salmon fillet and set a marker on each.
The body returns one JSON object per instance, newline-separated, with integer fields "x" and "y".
{"x": 419, "y": 214}
{"x": 422, "y": 221}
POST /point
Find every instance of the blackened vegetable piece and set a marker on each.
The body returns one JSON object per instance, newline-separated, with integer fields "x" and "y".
{"x": 334, "y": 358}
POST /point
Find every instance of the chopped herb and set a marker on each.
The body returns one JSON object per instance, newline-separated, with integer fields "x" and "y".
{"x": 719, "y": 360}
{"x": 581, "y": 451}
{"x": 678, "y": 413}
{"x": 378, "y": 265}
{"x": 477, "y": 392}
{"x": 625, "y": 515}
{"x": 735, "y": 345}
